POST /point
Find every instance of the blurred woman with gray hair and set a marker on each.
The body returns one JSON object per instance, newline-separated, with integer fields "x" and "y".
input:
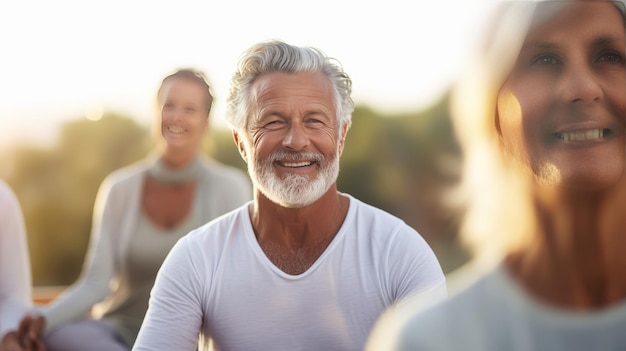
{"x": 540, "y": 119}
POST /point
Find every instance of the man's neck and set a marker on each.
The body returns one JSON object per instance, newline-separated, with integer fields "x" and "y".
{"x": 293, "y": 238}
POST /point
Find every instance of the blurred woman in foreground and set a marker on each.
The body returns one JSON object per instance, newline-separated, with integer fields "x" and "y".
{"x": 541, "y": 122}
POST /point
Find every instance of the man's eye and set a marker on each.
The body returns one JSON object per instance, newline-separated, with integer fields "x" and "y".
{"x": 273, "y": 123}
{"x": 314, "y": 122}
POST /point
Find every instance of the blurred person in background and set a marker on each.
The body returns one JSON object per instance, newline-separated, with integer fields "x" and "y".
{"x": 303, "y": 266}
{"x": 15, "y": 278}
{"x": 540, "y": 119}
{"x": 141, "y": 211}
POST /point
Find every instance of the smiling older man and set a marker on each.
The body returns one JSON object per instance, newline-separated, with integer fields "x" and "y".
{"x": 302, "y": 266}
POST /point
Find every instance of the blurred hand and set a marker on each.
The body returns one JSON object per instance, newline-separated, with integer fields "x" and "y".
{"x": 11, "y": 342}
{"x": 30, "y": 333}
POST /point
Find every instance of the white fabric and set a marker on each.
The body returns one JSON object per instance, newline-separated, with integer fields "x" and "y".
{"x": 495, "y": 313}
{"x": 15, "y": 279}
{"x": 218, "y": 283}
{"x": 116, "y": 213}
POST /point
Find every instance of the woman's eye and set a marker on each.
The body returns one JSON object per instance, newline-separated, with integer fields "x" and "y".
{"x": 612, "y": 57}
{"x": 545, "y": 60}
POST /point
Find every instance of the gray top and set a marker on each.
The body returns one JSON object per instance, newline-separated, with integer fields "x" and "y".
{"x": 147, "y": 249}
{"x": 495, "y": 313}
{"x": 117, "y": 214}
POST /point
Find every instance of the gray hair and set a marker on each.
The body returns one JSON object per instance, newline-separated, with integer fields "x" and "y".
{"x": 277, "y": 56}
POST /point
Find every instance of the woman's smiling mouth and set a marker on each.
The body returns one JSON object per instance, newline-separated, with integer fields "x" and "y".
{"x": 583, "y": 135}
{"x": 175, "y": 129}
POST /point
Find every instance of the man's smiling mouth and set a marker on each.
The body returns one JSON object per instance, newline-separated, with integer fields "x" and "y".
{"x": 297, "y": 164}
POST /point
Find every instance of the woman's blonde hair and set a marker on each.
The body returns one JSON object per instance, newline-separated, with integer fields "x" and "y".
{"x": 495, "y": 189}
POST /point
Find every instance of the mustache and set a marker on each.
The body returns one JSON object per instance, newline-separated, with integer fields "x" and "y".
{"x": 294, "y": 156}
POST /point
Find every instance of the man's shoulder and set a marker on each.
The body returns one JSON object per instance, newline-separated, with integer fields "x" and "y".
{"x": 362, "y": 211}
{"x": 370, "y": 209}
{"x": 215, "y": 238}
{"x": 233, "y": 220}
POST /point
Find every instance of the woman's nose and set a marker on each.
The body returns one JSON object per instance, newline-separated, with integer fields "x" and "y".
{"x": 581, "y": 84}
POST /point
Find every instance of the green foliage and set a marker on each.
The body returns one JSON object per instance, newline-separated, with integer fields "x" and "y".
{"x": 222, "y": 148}
{"x": 402, "y": 164}
{"x": 57, "y": 189}
{"x": 405, "y": 164}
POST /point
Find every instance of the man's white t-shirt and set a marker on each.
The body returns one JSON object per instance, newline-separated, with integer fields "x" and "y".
{"x": 218, "y": 284}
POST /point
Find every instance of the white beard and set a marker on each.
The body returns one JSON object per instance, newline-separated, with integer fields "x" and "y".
{"x": 294, "y": 190}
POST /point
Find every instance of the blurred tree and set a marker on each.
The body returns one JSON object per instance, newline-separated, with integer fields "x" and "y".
{"x": 433, "y": 159}
{"x": 57, "y": 189}
{"x": 407, "y": 164}
{"x": 221, "y": 147}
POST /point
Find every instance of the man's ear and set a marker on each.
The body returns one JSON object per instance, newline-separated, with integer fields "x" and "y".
{"x": 342, "y": 140}
{"x": 240, "y": 146}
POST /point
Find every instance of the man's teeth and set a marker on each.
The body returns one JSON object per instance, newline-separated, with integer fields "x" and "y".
{"x": 297, "y": 164}
{"x": 582, "y": 135}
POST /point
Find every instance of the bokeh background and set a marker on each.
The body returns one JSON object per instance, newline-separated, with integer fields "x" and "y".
{"x": 398, "y": 163}
{"x": 77, "y": 93}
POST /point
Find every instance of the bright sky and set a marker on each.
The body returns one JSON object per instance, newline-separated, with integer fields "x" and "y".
{"x": 64, "y": 59}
